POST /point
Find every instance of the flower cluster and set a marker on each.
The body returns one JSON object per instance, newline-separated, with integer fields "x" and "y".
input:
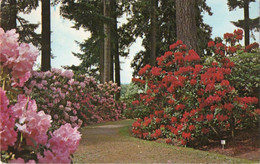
{"x": 15, "y": 58}
{"x": 78, "y": 101}
{"x": 186, "y": 100}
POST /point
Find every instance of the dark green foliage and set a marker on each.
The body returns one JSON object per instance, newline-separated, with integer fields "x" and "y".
{"x": 245, "y": 75}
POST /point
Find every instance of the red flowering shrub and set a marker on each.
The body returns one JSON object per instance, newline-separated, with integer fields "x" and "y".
{"x": 187, "y": 100}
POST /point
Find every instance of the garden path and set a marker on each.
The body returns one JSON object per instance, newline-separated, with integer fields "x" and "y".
{"x": 112, "y": 143}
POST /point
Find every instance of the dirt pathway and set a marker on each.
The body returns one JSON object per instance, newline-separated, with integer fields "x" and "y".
{"x": 111, "y": 143}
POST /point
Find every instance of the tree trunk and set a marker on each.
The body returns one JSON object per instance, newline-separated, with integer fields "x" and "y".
{"x": 154, "y": 4}
{"x": 115, "y": 46}
{"x": 186, "y": 23}
{"x": 101, "y": 50}
{"x": 107, "y": 43}
{"x": 246, "y": 20}
{"x": 46, "y": 36}
{"x": 8, "y": 14}
{"x": 101, "y": 61}
{"x": 112, "y": 60}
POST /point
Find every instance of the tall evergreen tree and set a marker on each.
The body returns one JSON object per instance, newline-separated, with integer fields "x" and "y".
{"x": 247, "y": 24}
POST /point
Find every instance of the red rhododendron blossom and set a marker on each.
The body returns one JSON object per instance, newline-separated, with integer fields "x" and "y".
{"x": 238, "y": 32}
{"x": 192, "y": 127}
{"x": 138, "y": 80}
{"x": 145, "y": 135}
{"x": 252, "y": 46}
{"x": 219, "y": 45}
{"x": 158, "y": 120}
{"x": 168, "y": 140}
{"x": 158, "y": 133}
{"x": 180, "y": 107}
{"x": 229, "y": 106}
{"x": 205, "y": 130}
{"x": 232, "y": 49}
{"x": 144, "y": 69}
{"x": 248, "y": 100}
{"x": 186, "y": 135}
{"x": 136, "y": 102}
{"x": 228, "y": 35}
{"x": 221, "y": 117}
{"x": 136, "y": 124}
{"x": 171, "y": 101}
{"x": 211, "y": 43}
{"x": 183, "y": 142}
{"x": 192, "y": 56}
{"x": 173, "y": 119}
{"x": 209, "y": 117}
{"x": 210, "y": 87}
{"x": 156, "y": 71}
{"x": 193, "y": 82}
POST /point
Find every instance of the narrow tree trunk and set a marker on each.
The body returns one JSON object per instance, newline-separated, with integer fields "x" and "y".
{"x": 186, "y": 23}
{"x": 246, "y": 20}
{"x": 46, "y": 36}
{"x": 153, "y": 31}
{"x": 101, "y": 50}
{"x": 115, "y": 46}
{"x": 107, "y": 43}
{"x": 8, "y": 14}
{"x": 232, "y": 128}
{"x": 112, "y": 57}
{"x": 101, "y": 61}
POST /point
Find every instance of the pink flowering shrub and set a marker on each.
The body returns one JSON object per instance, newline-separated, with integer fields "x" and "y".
{"x": 25, "y": 131}
{"x": 188, "y": 100}
{"x": 76, "y": 101}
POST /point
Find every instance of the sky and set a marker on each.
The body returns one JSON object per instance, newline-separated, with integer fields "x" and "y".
{"x": 63, "y": 37}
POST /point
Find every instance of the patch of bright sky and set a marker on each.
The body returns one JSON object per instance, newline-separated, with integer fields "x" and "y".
{"x": 63, "y": 36}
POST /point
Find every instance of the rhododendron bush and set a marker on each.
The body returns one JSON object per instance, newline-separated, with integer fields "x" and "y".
{"x": 78, "y": 101}
{"x": 24, "y": 130}
{"x": 188, "y": 100}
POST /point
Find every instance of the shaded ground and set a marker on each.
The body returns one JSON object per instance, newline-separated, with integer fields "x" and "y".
{"x": 247, "y": 145}
{"x": 111, "y": 143}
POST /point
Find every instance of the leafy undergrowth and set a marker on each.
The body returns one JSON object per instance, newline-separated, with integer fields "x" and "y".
{"x": 112, "y": 143}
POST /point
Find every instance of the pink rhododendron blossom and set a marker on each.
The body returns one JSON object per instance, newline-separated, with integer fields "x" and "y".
{"x": 65, "y": 138}
{"x": 54, "y": 157}
{"x": 7, "y": 122}
{"x": 18, "y": 58}
{"x": 32, "y": 124}
{"x": 20, "y": 160}
{"x": 56, "y": 70}
{"x": 68, "y": 74}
